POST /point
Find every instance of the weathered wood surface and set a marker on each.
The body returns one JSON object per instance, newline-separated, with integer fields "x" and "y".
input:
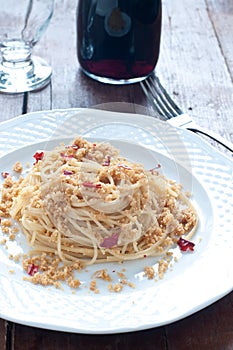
{"x": 196, "y": 66}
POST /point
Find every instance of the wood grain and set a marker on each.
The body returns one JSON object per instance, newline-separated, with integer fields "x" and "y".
{"x": 53, "y": 340}
{"x": 3, "y": 334}
{"x": 220, "y": 15}
{"x": 11, "y": 106}
{"x": 212, "y": 329}
{"x": 192, "y": 64}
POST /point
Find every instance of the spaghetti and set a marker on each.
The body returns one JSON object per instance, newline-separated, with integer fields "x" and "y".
{"x": 85, "y": 202}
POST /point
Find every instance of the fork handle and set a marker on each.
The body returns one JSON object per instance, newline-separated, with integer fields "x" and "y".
{"x": 185, "y": 122}
{"x": 213, "y": 136}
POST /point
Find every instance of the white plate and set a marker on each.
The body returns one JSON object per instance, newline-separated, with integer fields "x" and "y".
{"x": 196, "y": 280}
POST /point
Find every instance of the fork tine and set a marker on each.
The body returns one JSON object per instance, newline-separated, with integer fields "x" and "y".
{"x": 161, "y": 99}
{"x": 154, "y": 96}
{"x": 166, "y": 108}
{"x": 146, "y": 87}
{"x": 158, "y": 101}
{"x": 173, "y": 105}
{"x": 162, "y": 103}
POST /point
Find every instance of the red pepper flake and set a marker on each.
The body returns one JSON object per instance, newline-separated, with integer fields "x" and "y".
{"x": 38, "y": 156}
{"x": 94, "y": 145}
{"x": 75, "y": 147}
{"x": 107, "y": 161}
{"x": 32, "y": 269}
{"x": 63, "y": 155}
{"x": 5, "y": 174}
{"x": 185, "y": 245}
{"x": 67, "y": 172}
{"x": 158, "y": 166}
{"x": 91, "y": 185}
{"x": 144, "y": 256}
{"x": 111, "y": 241}
{"x": 124, "y": 166}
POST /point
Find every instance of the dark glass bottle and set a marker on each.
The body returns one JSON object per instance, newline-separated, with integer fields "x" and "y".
{"x": 118, "y": 40}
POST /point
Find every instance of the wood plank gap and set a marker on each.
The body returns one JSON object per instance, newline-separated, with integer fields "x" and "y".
{"x": 218, "y": 40}
{"x": 25, "y": 103}
{"x": 9, "y": 335}
{"x": 165, "y": 335}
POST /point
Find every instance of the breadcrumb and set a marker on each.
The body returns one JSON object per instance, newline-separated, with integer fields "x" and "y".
{"x": 18, "y": 168}
{"x": 93, "y": 287}
{"x": 3, "y": 241}
{"x": 121, "y": 274}
{"x": 103, "y": 274}
{"x": 149, "y": 272}
{"x": 50, "y": 272}
{"x": 116, "y": 288}
{"x": 162, "y": 267}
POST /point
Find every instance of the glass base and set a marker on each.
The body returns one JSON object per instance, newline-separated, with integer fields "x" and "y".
{"x": 114, "y": 81}
{"x": 16, "y": 80}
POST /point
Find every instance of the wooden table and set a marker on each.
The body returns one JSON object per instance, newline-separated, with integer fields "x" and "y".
{"x": 196, "y": 66}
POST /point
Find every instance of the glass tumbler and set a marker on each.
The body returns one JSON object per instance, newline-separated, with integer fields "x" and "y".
{"x": 118, "y": 41}
{"x": 22, "y": 23}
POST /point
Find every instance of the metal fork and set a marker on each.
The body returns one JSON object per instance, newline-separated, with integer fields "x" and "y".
{"x": 166, "y": 109}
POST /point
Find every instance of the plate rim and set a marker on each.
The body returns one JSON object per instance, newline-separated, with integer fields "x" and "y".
{"x": 19, "y": 119}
